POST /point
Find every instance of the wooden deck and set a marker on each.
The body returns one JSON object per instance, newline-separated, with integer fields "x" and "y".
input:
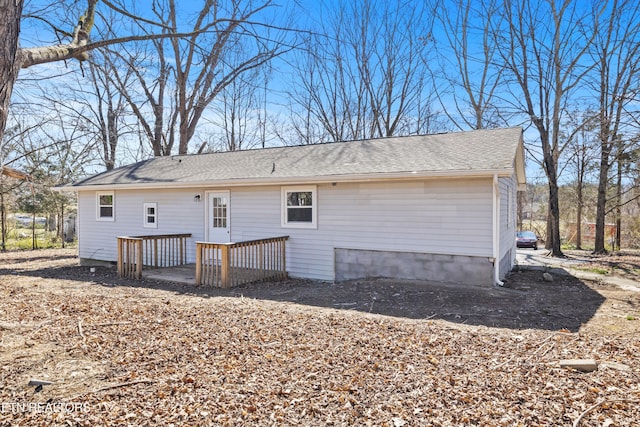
{"x": 180, "y": 274}
{"x": 222, "y": 265}
{"x": 187, "y": 274}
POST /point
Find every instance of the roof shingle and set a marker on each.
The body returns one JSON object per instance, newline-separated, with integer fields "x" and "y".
{"x": 450, "y": 153}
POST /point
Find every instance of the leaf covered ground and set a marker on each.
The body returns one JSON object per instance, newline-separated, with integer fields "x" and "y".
{"x": 138, "y": 353}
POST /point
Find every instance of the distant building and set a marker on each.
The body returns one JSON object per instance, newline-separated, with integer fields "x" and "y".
{"x": 589, "y": 233}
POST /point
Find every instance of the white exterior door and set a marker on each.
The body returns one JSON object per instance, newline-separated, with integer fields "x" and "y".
{"x": 218, "y": 224}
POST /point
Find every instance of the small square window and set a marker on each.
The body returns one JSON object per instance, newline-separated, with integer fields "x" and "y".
{"x": 105, "y": 206}
{"x": 151, "y": 215}
{"x": 299, "y": 207}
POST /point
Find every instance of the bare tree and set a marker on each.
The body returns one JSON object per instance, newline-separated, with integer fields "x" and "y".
{"x": 109, "y": 113}
{"x": 11, "y": 11}
{"x": 52, "y": 150}
{"x": 179, "y": 78}
{"x": 98, "y": 109}
{"x": 582, "y": 159}
{"x": 148, "y": 99}
{"x": 365, "y": 77}
{"x": 616, "y": 54}
{"x": 63, "y": 158}
{"x": 240, "y": 114}
{"x": 9, "y": 183}
{"x": 469, "y": 64}
{"x": 143, "y": 74}
{"x": 543, "y": 46}
{"x": 326, "y": 101}
{"x": 201, "y": 70}
{"x": 13, "y": 58}
{"x": 227, "y": 43}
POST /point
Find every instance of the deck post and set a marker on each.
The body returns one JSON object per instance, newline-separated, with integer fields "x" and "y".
{"x": 283, "y": 251}
{"x": 182, "y": 250}
{"x": 261, "y": 254}
{"x": 120, "y": 257}
{"x": 155, "y": 252}
{"x": 138, "y": 250}
{"x": 225, "y": 265}
{"x": 198, "y": 263}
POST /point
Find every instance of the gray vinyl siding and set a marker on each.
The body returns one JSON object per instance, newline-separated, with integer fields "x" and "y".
{"x": 443, "y": 217}
{"x": 508, "y": 223}
{"x": 451, "y": 217}
{"x": 177, "y": 213}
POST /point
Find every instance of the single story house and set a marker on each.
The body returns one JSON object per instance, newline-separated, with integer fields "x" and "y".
{"x": 433, "y": 207}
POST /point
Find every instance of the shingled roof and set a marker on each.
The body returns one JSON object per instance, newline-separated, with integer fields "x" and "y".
{"x": 472, "y": 153}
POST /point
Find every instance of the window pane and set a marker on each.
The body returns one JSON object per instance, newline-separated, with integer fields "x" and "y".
{"x": 219, "y": 212}
{"x": 106, "y": 211}
{"x": 299, "y": 215}
{"x": 151, "y": 210}
{"x": 106, "y": 199}
{"x": 299, "y": 198}
{"x": 151, "y": 220}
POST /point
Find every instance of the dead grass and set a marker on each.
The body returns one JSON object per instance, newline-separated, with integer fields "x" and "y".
{"x": 128, "y": 355}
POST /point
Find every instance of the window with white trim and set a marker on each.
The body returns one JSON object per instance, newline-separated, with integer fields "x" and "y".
{"x": 151, "y": 215}
{"x": 299, "y": 207}
{"x": 105, "y": 206}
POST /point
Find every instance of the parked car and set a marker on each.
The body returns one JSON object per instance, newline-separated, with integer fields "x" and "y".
{"x": 526, "y": 239}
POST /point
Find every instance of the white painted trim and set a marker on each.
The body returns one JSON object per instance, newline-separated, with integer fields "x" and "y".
{"x": 496, "y": 231}
{"x": 112, "y": 218}
{"x": 305, "y": 180}
{"x": 146, "y": 224}
{"x": 314, "y": 206}
{"x": 509, "y": 208}
{"x": 206, "y": 212}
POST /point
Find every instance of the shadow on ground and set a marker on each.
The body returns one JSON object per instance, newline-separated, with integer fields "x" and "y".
{"x": 525, "y": 302}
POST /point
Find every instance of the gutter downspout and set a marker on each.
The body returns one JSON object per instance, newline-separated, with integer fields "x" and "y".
{"x": 496, "y": 231}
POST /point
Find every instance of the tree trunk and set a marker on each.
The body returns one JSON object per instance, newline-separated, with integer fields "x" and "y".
{"x": 521, "y": 202}
{"x": 548, "y": 242}
{"x": 579, "y": 216}
{"x": 617, "y": 243}
{"x": 113, "y": 136}
{"x": 61, "y": 226}
{"x": 553, "y": 220}
{"x": 601, "y": 203}
{"x": 3, "y": 222}
{"x": 10, "y": 59}
{"x": 34, "y": 240}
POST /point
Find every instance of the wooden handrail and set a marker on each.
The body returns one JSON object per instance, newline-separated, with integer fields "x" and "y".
{"x": 161, "y": 236}
{"x": 230, "y": 264}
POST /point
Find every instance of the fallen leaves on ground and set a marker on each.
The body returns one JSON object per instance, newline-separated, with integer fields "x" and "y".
{"x": 139, "y": 356}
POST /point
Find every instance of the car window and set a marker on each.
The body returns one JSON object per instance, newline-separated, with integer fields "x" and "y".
{"x": 527, "y": 234}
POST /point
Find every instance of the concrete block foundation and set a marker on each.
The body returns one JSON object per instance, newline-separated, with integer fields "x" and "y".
{"x": 90, "y": 262}
{"x": 467, "y": 270}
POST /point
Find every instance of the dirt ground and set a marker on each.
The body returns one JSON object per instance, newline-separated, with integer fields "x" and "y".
{"x": 366, "y": 352}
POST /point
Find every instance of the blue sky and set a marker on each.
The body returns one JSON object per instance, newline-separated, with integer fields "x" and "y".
{"x": 302, "y": 14}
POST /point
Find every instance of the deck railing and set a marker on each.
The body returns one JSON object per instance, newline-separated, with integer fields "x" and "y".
{"x": 231, "y": 264}
{"x": 130, "y": 257}
{"x": 164, "y": 250}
